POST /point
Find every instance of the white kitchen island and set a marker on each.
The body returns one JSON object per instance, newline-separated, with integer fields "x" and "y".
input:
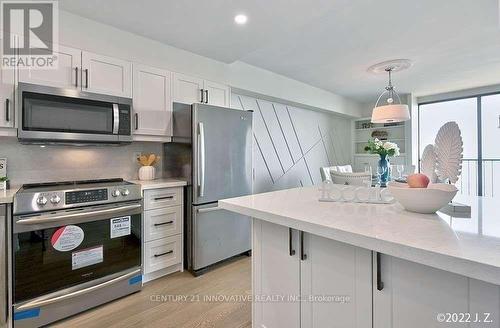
{"x": 320, "y": 264}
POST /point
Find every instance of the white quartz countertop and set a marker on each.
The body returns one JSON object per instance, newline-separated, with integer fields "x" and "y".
{"x": 466, "y": 246}
{"x": 7, "y": 196}
{"x": 160, "y": 183}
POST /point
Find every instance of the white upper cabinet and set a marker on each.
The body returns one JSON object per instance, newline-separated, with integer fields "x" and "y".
{"x": 217, "y": 94}
{"x": 77, "y": 69}
{"x": 107, "y": 75}
{"x": 152, "y": 101}
{"x": 65, "y": 75}
{"x": 189, "y": 90}
{"x": 7, "y": 83}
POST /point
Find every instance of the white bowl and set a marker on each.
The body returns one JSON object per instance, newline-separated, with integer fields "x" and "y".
{"x": 423, "y": 200}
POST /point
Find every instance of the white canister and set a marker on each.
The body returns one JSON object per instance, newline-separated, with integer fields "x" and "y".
{"x": 147, "y": 173}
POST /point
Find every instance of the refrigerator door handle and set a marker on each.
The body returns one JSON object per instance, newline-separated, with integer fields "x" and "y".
{"x": 208, "y": 209}
{"x": 201, "y": 164}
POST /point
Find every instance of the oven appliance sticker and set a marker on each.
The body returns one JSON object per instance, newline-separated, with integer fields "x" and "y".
{"x": 67, "y": 238}
{"x": 120, "y": 227}
{"x": 86, "y": 257}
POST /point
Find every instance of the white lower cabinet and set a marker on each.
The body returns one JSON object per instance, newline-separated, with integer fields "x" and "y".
{"x": 343, "y": 286}
{"x": 416, "y": 296}
{"x": 275, "y": 274}
{"x": 322, "y": 284}
{"x": 162, "y": 232}
{"x": 162, "y": 222}
{"x": 162, "y": 253}
{"x": 335, "y": 284}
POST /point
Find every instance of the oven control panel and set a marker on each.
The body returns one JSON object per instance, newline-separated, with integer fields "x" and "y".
{"x": 86, "y": 196}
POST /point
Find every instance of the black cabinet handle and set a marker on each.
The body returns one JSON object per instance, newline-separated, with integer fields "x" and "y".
{"x": 7, "y": 110}
{"x": 163, "y": 254}
{"x": 303, "y": 255}
{"x": 291, "y": 251}
{"x": 164, "y": 197}
{"x": 76, "y": 76}
{"x": 163, "y": 223}
{"x": 206, "y": 98}
{"x": 86, "y": 78}
{"x": 136, "y": 119}
{"x": 202, "y": 96}
{"x": 380, "y": 283}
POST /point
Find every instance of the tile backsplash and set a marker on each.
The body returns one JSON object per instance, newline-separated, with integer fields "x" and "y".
{"x": 33, "y": 163}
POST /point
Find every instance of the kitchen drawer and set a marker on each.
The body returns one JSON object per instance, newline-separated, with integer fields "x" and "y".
{"x": 158, "y": 198}
{"x": 162, "y": 253}
{"x": 162, "y": 222}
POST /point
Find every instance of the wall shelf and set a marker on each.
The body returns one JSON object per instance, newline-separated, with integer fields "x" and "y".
{"x": 379, "y": 128}
{"x": 395, "y": 133}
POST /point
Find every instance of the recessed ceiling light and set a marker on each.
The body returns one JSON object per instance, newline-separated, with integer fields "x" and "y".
{"x": 240, "y": 19}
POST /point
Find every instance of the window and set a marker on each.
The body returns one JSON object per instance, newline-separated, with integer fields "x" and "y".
{"x": 479, "y": 120}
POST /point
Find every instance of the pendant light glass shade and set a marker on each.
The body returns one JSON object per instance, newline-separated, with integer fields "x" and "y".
{"x": 392, "y": 112}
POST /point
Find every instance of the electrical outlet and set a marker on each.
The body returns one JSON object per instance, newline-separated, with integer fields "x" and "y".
{"x": 137, "y": 154}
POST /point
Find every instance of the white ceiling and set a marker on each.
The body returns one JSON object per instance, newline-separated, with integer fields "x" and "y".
{"x": 455, "y": 44}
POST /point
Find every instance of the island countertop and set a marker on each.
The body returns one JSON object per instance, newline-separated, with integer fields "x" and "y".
{"x": 466, "y": 246}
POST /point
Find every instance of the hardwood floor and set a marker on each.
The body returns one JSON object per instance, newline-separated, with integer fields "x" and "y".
{"x": 218, "y": 299}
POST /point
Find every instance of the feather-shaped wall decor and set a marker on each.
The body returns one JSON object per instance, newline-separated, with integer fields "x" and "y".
{"x": 449, "y": 152}
{"x": 428, "y": 163}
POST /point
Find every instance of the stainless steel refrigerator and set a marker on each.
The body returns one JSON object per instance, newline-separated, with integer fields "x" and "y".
{"x": 212, "y": 148}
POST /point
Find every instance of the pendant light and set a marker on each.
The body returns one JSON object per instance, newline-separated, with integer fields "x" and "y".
{"x": 394, "y": 110}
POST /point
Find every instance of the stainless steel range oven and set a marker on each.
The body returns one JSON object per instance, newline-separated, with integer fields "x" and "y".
{"x": 74, "y": 246}
{"x": 55, "y": 115}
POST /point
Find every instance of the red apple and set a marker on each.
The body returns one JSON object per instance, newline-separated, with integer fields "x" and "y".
{"x": 418, "y": 180}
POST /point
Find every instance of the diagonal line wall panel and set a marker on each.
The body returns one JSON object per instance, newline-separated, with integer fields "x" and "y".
{"x": 291, "y": 143}
{"x": 263, "y": 139}
{"x": 288, "y": 133}
{"x": 274, "y": 130}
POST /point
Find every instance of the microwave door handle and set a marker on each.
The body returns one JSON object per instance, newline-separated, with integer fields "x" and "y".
{"x": 201, "y": 162}
{"x": 116, "y": 118}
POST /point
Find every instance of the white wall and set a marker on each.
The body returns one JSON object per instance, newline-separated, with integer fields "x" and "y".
{"x": 79, "y": 32}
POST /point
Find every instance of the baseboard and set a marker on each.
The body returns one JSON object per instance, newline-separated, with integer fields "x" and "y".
{"x": 160, "y": 273}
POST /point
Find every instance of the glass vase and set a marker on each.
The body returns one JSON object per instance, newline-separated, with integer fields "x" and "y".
{"x": 383, "y": 170}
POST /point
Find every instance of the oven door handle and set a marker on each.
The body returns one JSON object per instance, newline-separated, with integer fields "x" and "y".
{"x": 41, "y": 302}
{"x": 49, "y": 218}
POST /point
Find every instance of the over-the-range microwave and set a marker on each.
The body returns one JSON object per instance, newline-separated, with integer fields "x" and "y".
{"x": 57, "y": 115}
